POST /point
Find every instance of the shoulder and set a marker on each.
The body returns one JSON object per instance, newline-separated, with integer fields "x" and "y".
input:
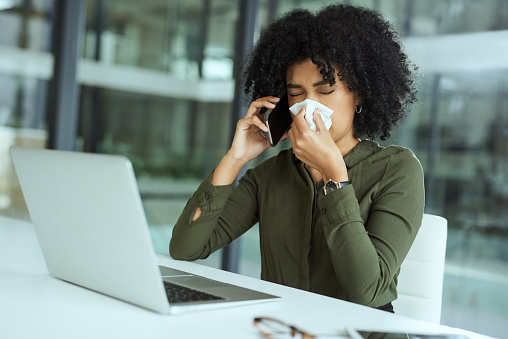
{"x": 387, "y": 162}
{"x": 387, "y": 156}
{"x": 402, "y": 159}
{"x": 400, "y": 175}
{"x": 401, "y": 168}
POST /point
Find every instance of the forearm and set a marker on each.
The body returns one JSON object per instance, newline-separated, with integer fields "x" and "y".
{"x": 334, "y": 170}
{"x": 225, "y": 174}
{"x": 193, "y": 239}
{"x": 226, "y": 171}
{"x": 189, "y": 240}
{"x": 226, "y": 214}
{"x": 366, "y": 257}
{"x": 361, "y": 272}
{"x": 355, "y": 261}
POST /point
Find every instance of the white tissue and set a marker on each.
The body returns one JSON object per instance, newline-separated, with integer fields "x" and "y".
{"x": 310, "y": 106}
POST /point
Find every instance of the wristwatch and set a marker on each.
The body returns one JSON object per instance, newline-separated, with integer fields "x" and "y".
{"x": 331, "y": 185}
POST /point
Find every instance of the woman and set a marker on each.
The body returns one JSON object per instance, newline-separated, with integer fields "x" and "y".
{"x": 336, "y": 215}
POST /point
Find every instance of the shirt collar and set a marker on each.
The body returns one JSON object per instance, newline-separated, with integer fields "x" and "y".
{"x": 363, "y": 150}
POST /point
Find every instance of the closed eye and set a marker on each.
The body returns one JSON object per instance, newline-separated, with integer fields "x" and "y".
{"x": 298, "y": 94}
{"x": 326, "y": 93}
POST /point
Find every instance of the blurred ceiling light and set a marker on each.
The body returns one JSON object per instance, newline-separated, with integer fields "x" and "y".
{"x": 448, "y": 84}
{"x": 6, "y": 4}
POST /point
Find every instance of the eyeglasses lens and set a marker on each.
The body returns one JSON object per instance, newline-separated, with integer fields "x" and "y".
{"x": 271, "y": 328}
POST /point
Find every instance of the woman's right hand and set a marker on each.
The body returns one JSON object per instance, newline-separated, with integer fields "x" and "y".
{"x": 248, "y": 142}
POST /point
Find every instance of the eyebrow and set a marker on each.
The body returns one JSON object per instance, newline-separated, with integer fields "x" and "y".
{"x": 319, "y": 83}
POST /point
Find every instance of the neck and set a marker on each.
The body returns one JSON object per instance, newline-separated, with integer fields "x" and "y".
{"x": 346, "y": 146}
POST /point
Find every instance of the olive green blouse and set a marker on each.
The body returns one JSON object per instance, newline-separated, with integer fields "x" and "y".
{"x": 348, "y": 244}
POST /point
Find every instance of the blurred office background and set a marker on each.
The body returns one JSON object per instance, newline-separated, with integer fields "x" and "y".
{"x": 154, "y": 80}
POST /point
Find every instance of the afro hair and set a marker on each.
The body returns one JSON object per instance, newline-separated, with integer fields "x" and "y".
{"x": 354, "y": 44}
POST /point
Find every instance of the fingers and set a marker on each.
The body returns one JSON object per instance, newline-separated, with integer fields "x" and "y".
{"x": 247, "y": 122}
{"x": 256, "y": 106}
{"x": 257, "y": 122}
{"x": 299, "y": 122}
{"x": 318, "y": 120}
{"x": 252, "y": 117}
{"x": 301, "y": 134}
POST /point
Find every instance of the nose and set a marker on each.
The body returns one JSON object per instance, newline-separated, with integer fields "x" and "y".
{"x": 304, "y": 97}
{"x": 311, "y": 96}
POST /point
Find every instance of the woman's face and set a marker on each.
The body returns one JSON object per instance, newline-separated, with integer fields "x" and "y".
{"x": 304, "y": 81}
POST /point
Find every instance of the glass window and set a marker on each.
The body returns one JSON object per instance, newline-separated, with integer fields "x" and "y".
{"x": 25, "y": 24}
{"x": 24, "y": 38}
{"x": 458, "y": 131}
{"x": 170, "y": 113}
{"x": 428, "y": 18}
{"x": 187, "y": 39}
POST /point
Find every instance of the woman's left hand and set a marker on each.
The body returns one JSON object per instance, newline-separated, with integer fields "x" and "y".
{"x": 317, "y": 149}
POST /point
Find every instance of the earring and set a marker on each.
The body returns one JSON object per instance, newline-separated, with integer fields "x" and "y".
{"x": 358, "y": 108}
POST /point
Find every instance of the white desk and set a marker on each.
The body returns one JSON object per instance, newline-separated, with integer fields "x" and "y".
{"x": 35, "y": 305}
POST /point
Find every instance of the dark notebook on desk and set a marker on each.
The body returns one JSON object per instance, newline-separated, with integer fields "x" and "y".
{"x": 92, "y": 229}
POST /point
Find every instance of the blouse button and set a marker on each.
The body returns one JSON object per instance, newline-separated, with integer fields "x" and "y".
{"x": 207, "y": 196}
{"x": 323, "y": 211}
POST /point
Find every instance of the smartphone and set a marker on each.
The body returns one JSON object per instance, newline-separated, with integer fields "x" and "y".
{"x": 278, "y": 120}
{"x": 358, "y": 334}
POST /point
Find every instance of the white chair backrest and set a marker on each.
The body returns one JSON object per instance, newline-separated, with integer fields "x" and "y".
{"x": 420, "y": 283}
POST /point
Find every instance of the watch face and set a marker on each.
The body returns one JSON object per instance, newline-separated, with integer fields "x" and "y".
{"x": 330, "y": 186}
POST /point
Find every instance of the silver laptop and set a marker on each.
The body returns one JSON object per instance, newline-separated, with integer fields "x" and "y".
{"x": 91, "y": 226}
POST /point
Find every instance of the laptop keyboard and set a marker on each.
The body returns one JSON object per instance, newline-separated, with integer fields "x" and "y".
{"x": 178, "y": 294}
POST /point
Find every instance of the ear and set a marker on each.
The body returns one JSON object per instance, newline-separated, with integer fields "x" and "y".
{"x": 358, "y": 103}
